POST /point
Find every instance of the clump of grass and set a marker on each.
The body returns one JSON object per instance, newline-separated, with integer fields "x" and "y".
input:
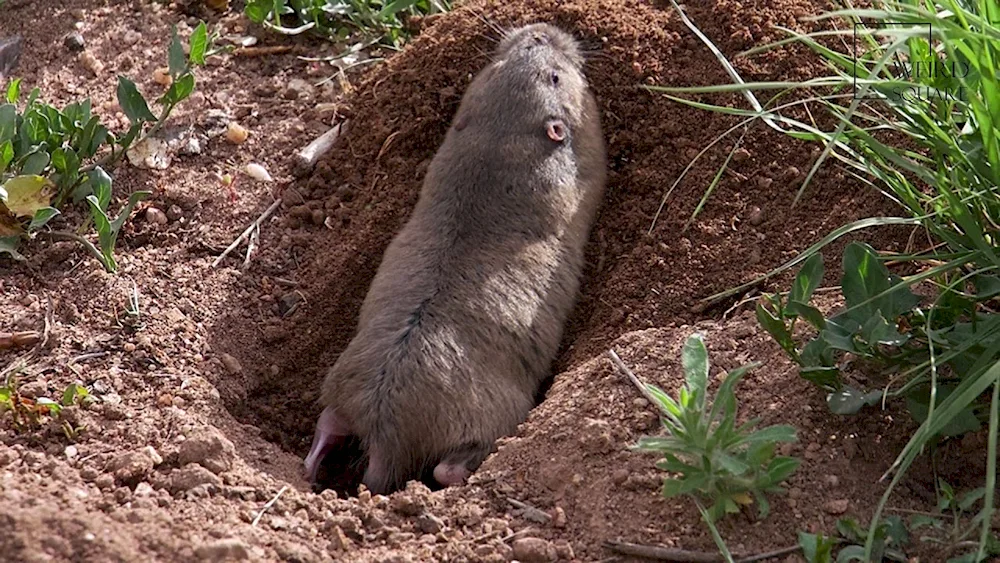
{"x": 930, "y": 141}
{"x": 707, "y": 455}
{"x": 51, "y": 156}
{"x": 371, "y": 21}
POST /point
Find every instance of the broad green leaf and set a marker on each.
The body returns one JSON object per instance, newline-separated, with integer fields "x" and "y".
{"x": 808, "y": 312}
{"x": 781, "y": 468}
{"x": 198, "y": 44}
{"x": 8, "y": 122}
{"x": 176, "y": 59}
{"x": 923, "y": 520}
{"x": 694, "y": 359}
{"x": 839, "y": 333}
{"x": 868, "y": 286}
{"x": 777, "y": 329}
{"x": 970, "y": 498}
{"x": 9, "y": 246}
{"x": 6, "y": 155}
{"x": 895, "y": 531}
{"x": 27, "y": 194}
{"x": 816, "y": 548}
{"x": 778, "y": 433}
{"x": 100, "y": 185}
{"x": 14, "y": 91}
{"x": 257, "y": 10}
{"x": 179, "y": 90}
{"x": 851, "y": 553}
{"x": 878, "y": 331}
{"x": 817, "y": 353}
{"x": 104, "y": 234}
{"x": 35, "y": 163}
{"x": 849, "y": 400}
{"x": 730, "y": 463}
{"x": 964, "y": 421}
{"x": 808, "y": 279}
{"x": 42, "y": 216}
{"x": 73, "y": 391}
{"x": 132, "y": 102}
{"x": 987, "y": 287}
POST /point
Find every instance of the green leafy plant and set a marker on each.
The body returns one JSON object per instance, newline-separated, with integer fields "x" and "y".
{"x": 817, "y": 548}
{"x": 709, "y": 456}
{"x": 889, "y": 537}
{"x": 930, "y": 141}
{"x": 26, "y": 413}
{"x": 375, "y": 20}
{"x": 50, "y": 156}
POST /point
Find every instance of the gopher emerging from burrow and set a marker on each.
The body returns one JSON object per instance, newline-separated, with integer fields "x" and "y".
{"x": 464, "y": 317}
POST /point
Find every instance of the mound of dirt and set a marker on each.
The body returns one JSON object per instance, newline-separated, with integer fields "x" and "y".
{"x": 206, "y": 407}
{"x": 635, "y": 279}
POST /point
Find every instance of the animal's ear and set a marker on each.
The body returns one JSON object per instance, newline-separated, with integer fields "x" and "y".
{"x": 556, "y": 130}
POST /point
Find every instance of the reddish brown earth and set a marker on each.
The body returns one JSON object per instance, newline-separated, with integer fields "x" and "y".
{"x": 206, "y": 404}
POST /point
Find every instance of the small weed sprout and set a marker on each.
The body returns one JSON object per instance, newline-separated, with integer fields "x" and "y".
{"x": 709, "y": 456}
{"x": 26, "y": 413}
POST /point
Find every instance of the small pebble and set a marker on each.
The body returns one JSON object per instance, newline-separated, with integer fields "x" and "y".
{"x": 74, "y": 41}
{"x": 174, "y": 212}
{"x": 258, "y": 172}
{"x": 741, "y": 154}
{"x": 162, "y": 76}
{"x": 236, "y": 133}
{"x": 836, "y": 507}
{"x": 155, "y": 216}
{"x": 231, "y": 363}
{"x": 90, "y": 62}
{"x": 131, "y": 37}
{"x": 534, "y": 550}
{"x": 756, "y": 216}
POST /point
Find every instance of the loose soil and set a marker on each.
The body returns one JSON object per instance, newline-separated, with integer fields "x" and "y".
{"x": 205, "y": 404}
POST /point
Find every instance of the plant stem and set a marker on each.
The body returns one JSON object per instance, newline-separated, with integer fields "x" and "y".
{"x": 87, "y": 245}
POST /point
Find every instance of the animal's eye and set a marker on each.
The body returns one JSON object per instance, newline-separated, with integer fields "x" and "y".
{"x": 555, "y": 79}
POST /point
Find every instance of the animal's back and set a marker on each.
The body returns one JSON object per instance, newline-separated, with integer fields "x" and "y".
{"x": 468, "y": 307}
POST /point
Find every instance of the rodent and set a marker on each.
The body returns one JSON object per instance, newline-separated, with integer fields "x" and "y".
{"x": 467, "y": 309}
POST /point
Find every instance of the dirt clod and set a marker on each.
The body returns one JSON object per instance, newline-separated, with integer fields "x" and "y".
{"x": 210, "y": 449}
{"x": 191, "y": 476}
{"x": 229, "y": 549}
{"x": 534, "y": 550}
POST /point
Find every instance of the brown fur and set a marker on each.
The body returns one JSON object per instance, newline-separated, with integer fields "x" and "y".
{"x": 465, "y": 314}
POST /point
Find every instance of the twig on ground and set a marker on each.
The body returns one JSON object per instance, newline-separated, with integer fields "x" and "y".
{"x": 530, "y": 512}
{"x": 256, "y": 224}
{"x": 85, "y": 357}
{"x": 631, "y": 376}
{"x": 516, "y": 534}
{"x": 19, "y": 339}
{"x": 87, "y": 245}
{"x": 251, "y": 246}
{"x": 267, "y": 506}
{"x": 661, "y": 553}
{"x": 47, "y": 327}
{"x": 263, "y": 51}
{"x": 305, "y": 160}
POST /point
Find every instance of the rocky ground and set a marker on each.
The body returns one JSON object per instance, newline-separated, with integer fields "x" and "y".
{"x": 205, "y": 401}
